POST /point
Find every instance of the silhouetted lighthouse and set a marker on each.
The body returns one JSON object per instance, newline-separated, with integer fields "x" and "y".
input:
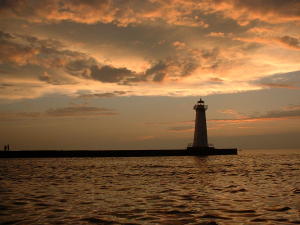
{"x": 200, "y": 135}
{"x": 200, "y": 145}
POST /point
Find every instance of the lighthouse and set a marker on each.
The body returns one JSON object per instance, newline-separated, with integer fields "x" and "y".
{"x": 200, "y": 135}
{"x": 200, "y": 144}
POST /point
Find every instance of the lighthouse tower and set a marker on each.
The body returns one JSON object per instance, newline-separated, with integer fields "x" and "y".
{"x": 200, "y": 135}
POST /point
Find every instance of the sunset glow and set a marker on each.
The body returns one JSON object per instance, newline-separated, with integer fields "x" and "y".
{"x": 125, "y": 74}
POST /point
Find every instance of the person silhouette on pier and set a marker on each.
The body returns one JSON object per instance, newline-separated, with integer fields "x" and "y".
{"x": 6, "y": 148}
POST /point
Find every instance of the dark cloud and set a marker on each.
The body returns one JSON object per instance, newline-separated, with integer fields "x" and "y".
{"x": 52, "y": 56}
{"x": 109, "y": 74}
{"x": 171, "y": 123}
{"x": 277, "y": 85}
{"x": 70, "y": 111}
{"x": 60, "y": 64}
{"x": 22, "y": 89}
{"x": 80, "y": 67}
{"x": 289, "y": 80}
{"x": 285, "y": 41}
{"x": 79, "y": 110}
{"x": 181, "y": 129}
{"x": 290, "y": 42}
{"x": 54, "y": 80}
{"x": 183, "y": 63}
{"x": 158, "y": 71}
{"x": 178, "y": 126}
{"x": 290, "y": 112}
{"x": 22, "y": 50}
{"x": 12, "y": 51}
{"x": 287, "y": 8}
{"x": 4, "y": 35}
{"x": 5, "y": 85}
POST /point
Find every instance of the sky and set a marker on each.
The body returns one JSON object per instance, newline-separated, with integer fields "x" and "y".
{"x": 125, "y": 74}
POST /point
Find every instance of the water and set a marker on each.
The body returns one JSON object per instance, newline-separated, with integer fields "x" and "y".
{"x": 254, "y": 187}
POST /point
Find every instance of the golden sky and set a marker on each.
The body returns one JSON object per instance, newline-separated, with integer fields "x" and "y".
{"x": 93, "y": 74}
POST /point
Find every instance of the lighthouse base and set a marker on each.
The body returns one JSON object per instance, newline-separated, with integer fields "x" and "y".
{"x": 211, "y": 151}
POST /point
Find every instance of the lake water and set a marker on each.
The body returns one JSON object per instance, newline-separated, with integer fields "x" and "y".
{"x": 254, "y": 187}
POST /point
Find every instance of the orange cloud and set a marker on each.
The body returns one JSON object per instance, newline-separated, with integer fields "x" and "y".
{"x": 232, "y": 112}
{"x": 18, "y": 54}
{"x": 253, "y": 120}
{"x": 271, "y": 11}
{"x": 260, "y": 30}
{"x": 177, "y": 12}
{"x": 216, "y": 34}
{"x": 121, "y": 13}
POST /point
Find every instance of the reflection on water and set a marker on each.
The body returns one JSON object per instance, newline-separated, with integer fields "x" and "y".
{"x": 251, "y": 188}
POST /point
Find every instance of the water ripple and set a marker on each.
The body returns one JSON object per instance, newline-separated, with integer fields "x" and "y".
{"x": 216, "y": 190}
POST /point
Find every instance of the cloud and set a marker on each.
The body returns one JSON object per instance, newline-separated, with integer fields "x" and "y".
{"x": 121, "y": 13}
{"x": 145, "y": 138}
{"x": 66, "y": 112}
{"x": 175, "y": 126}
{"x": 21, "y": 89}
{"x": 183, "y": 63}
{"x": 171, "y": 123}
{"x": 24, "y": 50}
{"x": 284, "y": 41}
{"x": 290, "y": 42}
{"x": 233, "y": 113}
{"x": 181, "y": 129}
{"x": 59, "y": 63}
{"x": 103, "y": 95}
{"x": 274, "y": 85}
{"x": 245, "y": 11}
{"x": 292, "y": 112}
{"x": 289, "y": 80}
{"x": 216, "y": 80}
{"x": 79, "y": 110}
{"x": 287, "y": 113}
{"x": 52, "y": 79}
{"x": 260, "y": 30}
{"x": 50, "y": 63}
{"x": 159, "y": 70}
{"x": 109, "y": 74}
{"x": 13, "y": 52}
{"x": 179, "y": 44}
{"x": 216, "y": 34}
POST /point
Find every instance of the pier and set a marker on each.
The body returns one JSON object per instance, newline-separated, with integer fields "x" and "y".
{"x": 113, "y": 153}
